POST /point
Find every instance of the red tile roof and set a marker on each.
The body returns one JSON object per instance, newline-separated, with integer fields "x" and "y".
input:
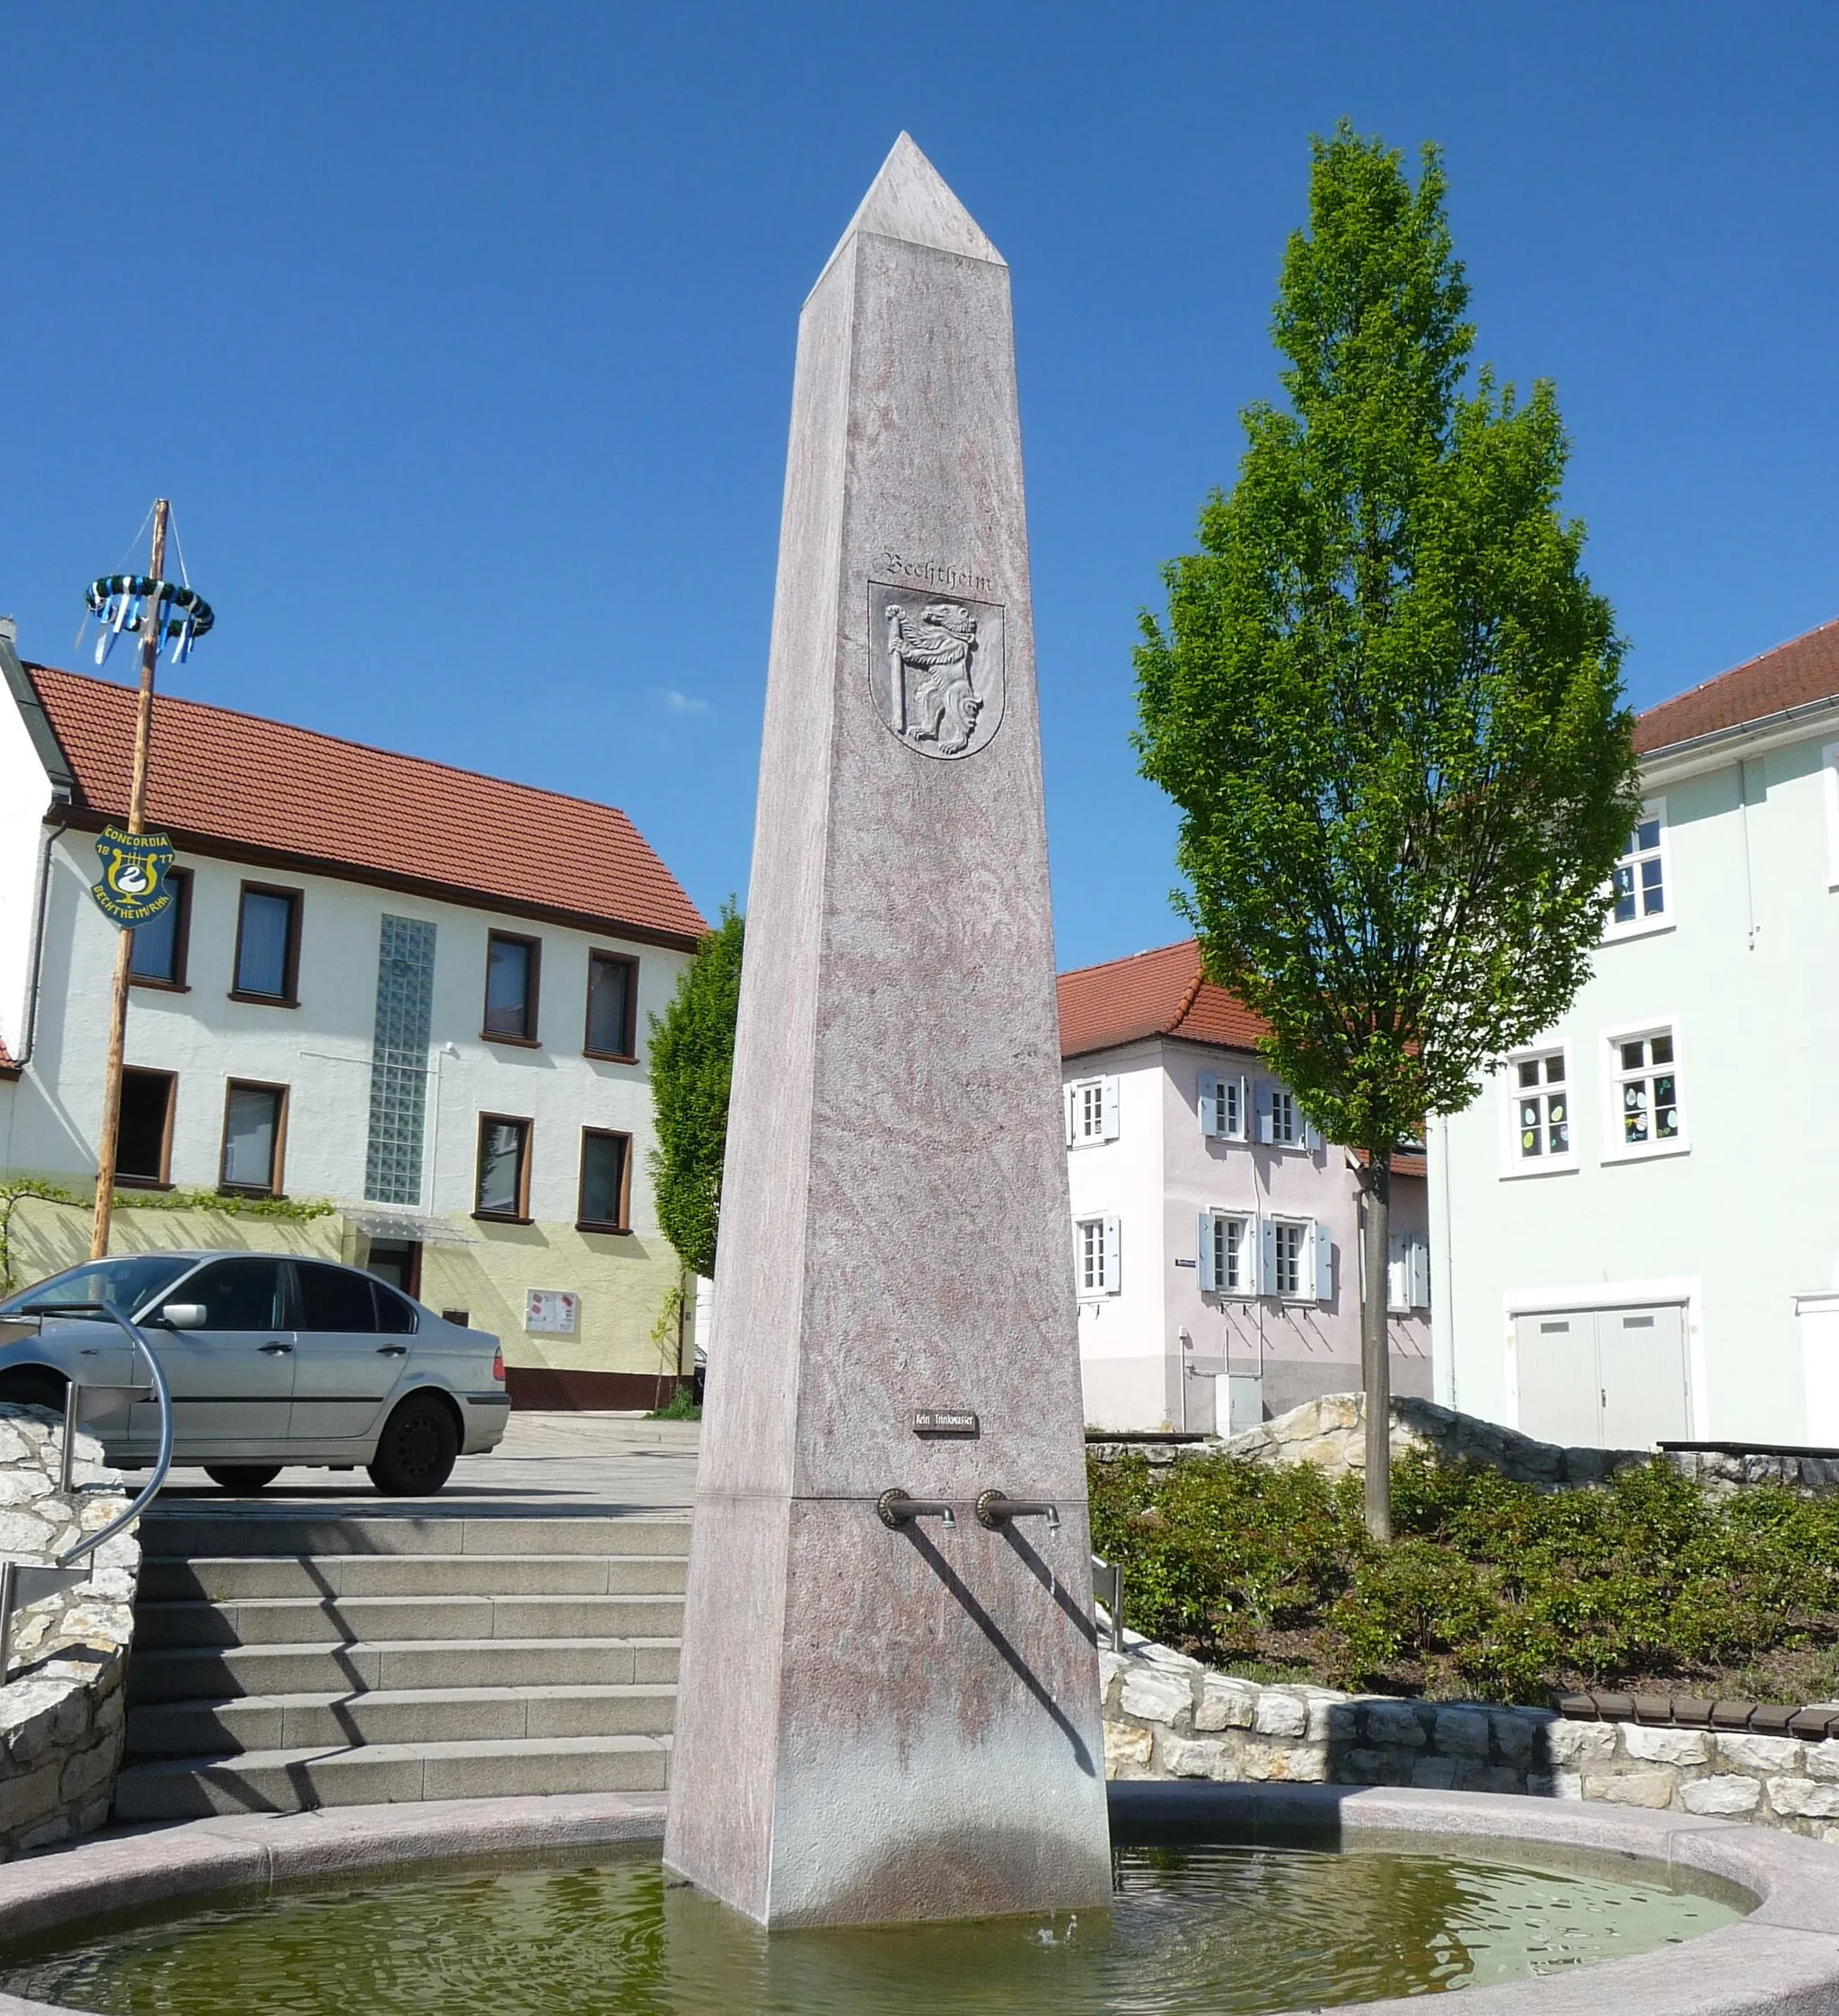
{"x": 1160, "y": 993}
{"x": 251, "y": 788}
{"x": 1804, "y": 669}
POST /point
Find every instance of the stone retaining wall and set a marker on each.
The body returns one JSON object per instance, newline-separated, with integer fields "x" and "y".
{"x": 62, "y": 1714}
{"x": 1167, "y": 1716}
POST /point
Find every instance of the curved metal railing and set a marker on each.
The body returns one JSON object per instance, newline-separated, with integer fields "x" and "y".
{"x": 162, "y": 1461}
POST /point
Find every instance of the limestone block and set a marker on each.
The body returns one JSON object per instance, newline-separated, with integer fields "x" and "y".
{"x": 1436, "y": 1774}
{"x": 1394, "y": 1721}
{"x": 1801, "y": 1799}
{"x": 85, "y": 1771}
{"x": 1822, "y": 1759}
{"x": 54, "y": 1830}
{"x": 1183, "y": 1757}
{"x": 1474, "y": 1777}
{"x": 1388, "y": 1764}
{"x": 29, "y": 1798}
{"x": 1127, "y": 1750}
{"x": 1762, "y": 1754}
{"x": 1517, "y": 1732}
{"x": 1728, "y": 1792}
{"x": 1110, "y": 1665}
{"x": 1340, "y": 1410}
{"x": 1461, "y": 1732}
{"x": 1331, "y": 1716}
{"x": 1666, "y": 1746}
{"x": 13, "y": 1444}
{"x": 1280, "y": 1712}
{"x": 23, "y": 1532}
{"x": 1581, "y": 1743}
{"x": 1631, "y": 1788}
{"x": 1227, "y": 1703}
{"x": 1555, "y": 1784}
{"x": 1156, "y": 1697}
{"x": 1304, "y": 1764}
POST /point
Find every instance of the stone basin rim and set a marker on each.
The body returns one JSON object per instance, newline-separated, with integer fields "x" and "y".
{"x": 1783, "y": 1957}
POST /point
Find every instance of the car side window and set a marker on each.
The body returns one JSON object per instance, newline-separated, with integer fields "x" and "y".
{"x": 393, "y": 1313}
{"x": 239, "y": 1295}
{"x": 333, "y": 1298}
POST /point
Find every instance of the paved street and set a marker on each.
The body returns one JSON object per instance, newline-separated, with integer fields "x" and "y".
{"x": 602, "y": 1461}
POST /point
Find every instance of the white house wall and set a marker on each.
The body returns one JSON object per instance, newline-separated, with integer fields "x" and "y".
{"x": 25, "y": 795}
{"x": 1744, "y": 1220}
{"x": 1156, "y": 1178}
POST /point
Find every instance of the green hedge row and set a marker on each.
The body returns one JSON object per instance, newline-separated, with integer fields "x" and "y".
{"x": 1493, "y": 1589}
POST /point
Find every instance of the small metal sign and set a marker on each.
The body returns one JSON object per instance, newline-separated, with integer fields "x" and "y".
{"x": 550, "y": 1311}
{"x": 1185, "y": 1263}
{"x": 945, "y": 1420}
{"x": 133, "y": 887}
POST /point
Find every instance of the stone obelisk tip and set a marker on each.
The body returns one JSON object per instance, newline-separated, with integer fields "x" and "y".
{"x": 911, "y": 200}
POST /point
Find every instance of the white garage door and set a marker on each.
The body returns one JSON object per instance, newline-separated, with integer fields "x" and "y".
{"x": 1604, "y": 1379}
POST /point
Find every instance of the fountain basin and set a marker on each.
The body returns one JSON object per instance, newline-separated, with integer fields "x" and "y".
{"x": 1782, "y": 1955}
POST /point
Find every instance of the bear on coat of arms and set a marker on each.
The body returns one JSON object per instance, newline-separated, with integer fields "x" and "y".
{"x": 945, "y": 704}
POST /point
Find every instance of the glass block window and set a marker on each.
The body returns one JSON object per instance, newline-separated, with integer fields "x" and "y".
{"x": 398, "y": 1065}
{"x": 1648, "y": 1090}
{"x": 1640, "y": 876}
{"x": 1544, "y": 1106}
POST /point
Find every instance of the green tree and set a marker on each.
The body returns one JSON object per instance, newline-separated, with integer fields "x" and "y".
{"x": 1388, "y": 702}
{"x": 692, "y": 1067}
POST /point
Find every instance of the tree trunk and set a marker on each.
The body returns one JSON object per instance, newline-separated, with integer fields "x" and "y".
{"x": 1375, "y": 1366}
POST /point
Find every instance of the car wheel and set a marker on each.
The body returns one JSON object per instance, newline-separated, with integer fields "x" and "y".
{"x": 244, "y": 1479}
{"x": 416, "y": 1450}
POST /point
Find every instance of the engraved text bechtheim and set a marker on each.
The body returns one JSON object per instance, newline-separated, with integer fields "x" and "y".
{"x": 936, "y": 668}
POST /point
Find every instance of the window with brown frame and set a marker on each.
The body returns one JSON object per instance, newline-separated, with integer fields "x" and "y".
{"x": 606, "y": 1177}
{"x": 255, "y": 1137}
{"x": 502, "y": 1189}
{"x": 144, "y": 1128}
{"x": 513, "y": 968}
{"x": 612, "y": 993}
{"x": 267, "y": 946}
{"x": 157, "y": 956}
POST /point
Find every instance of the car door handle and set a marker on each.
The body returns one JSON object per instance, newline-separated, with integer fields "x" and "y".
{"x": 392, "y": 1350}
{"x": 277, "y": 1350}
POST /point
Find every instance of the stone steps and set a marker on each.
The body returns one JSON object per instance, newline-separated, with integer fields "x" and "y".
{"x": 286, "y": 1659}
{"x": 379, "y": 1773}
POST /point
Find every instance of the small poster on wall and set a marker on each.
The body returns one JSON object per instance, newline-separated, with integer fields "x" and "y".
{"x": 551, "y": 1312}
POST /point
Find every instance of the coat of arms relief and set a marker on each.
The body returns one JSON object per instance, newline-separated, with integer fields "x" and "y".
{"x": 936, "y": 669}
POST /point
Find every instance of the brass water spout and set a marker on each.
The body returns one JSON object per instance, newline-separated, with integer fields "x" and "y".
{"x": 896, "y": 1508}
{"x": 994, "y": 1510}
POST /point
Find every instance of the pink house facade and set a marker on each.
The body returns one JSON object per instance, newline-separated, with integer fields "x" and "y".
{"x": 1215, "y": 1232}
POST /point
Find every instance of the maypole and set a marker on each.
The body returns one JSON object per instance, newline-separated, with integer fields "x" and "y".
{"x": 134, "y": 862}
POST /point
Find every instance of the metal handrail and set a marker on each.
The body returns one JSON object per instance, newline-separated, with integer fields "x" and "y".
{"x": 1112, "y": 1571}
{"x": 162, "y": 1461}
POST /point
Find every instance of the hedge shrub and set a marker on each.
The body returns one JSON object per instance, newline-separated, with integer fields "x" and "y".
{"x": 1493, "y": 1589}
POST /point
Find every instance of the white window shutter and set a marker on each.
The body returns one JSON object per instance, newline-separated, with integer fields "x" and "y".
{"x": 1110, "y": 1097}
{"x": 1068, "y": 1095}
{"x": 1322, "y": 1251}
{"x": 1264, "y": 1110}
{"x": 1267, "y": 1256}
{"x": 1203, "y": 1250}
{"x": 1211, "y": 1089}
{"x": 1312, "y": 1135}
{"x": 1114, "y": 1278}
{"x": 1239, "y": 1091}
{"x": 1419, "y": 1270}
{"x": 1398, "y": 1277}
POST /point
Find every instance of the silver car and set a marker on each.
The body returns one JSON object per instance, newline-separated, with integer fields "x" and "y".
{"x": 270, "y": 1359}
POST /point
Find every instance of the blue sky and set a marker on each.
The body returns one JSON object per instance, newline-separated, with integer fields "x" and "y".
{"x": 461, "y": 338}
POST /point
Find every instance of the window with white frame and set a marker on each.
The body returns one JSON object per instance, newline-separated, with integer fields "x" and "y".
{"x": 1227, "y": 1253}
{"x": 1096, "y": 1267}
{"x": 1542, "y": 1107}
{"x": 1092, "y": 1111}
{"x": 1640, "y": 876}
{"x": 1285, "y": 1128}
{"x": 1290, "y": 1243}
{"x": 1407, "y": 1272}
{"x": 1222, "y": 1105}
{"x": 1647, "y": 1089}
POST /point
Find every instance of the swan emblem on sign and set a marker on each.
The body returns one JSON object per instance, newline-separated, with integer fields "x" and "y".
{"x": 133, "y": 886}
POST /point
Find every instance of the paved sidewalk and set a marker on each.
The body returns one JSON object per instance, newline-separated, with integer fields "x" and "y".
{"x": 561, "y": 1461}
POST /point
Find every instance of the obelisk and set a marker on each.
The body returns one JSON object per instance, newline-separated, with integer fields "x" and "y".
{"x": 896, "y": 1717}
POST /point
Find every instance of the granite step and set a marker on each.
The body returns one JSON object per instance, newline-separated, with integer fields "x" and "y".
{"x": 302, "y": 1620}
{"x": 281, "y": 1530}
{"x": 201, "y": 1729}
{"x": 220, "y": 1672}
{"x": 237, "y": 1578}
{"x": 300, "y": 1780}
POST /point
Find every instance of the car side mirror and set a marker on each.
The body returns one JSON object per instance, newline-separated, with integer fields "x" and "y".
{"x": 183, "y": 1315}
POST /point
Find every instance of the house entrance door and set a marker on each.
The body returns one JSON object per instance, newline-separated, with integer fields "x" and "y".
{"x": 1604, "y": 1379}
